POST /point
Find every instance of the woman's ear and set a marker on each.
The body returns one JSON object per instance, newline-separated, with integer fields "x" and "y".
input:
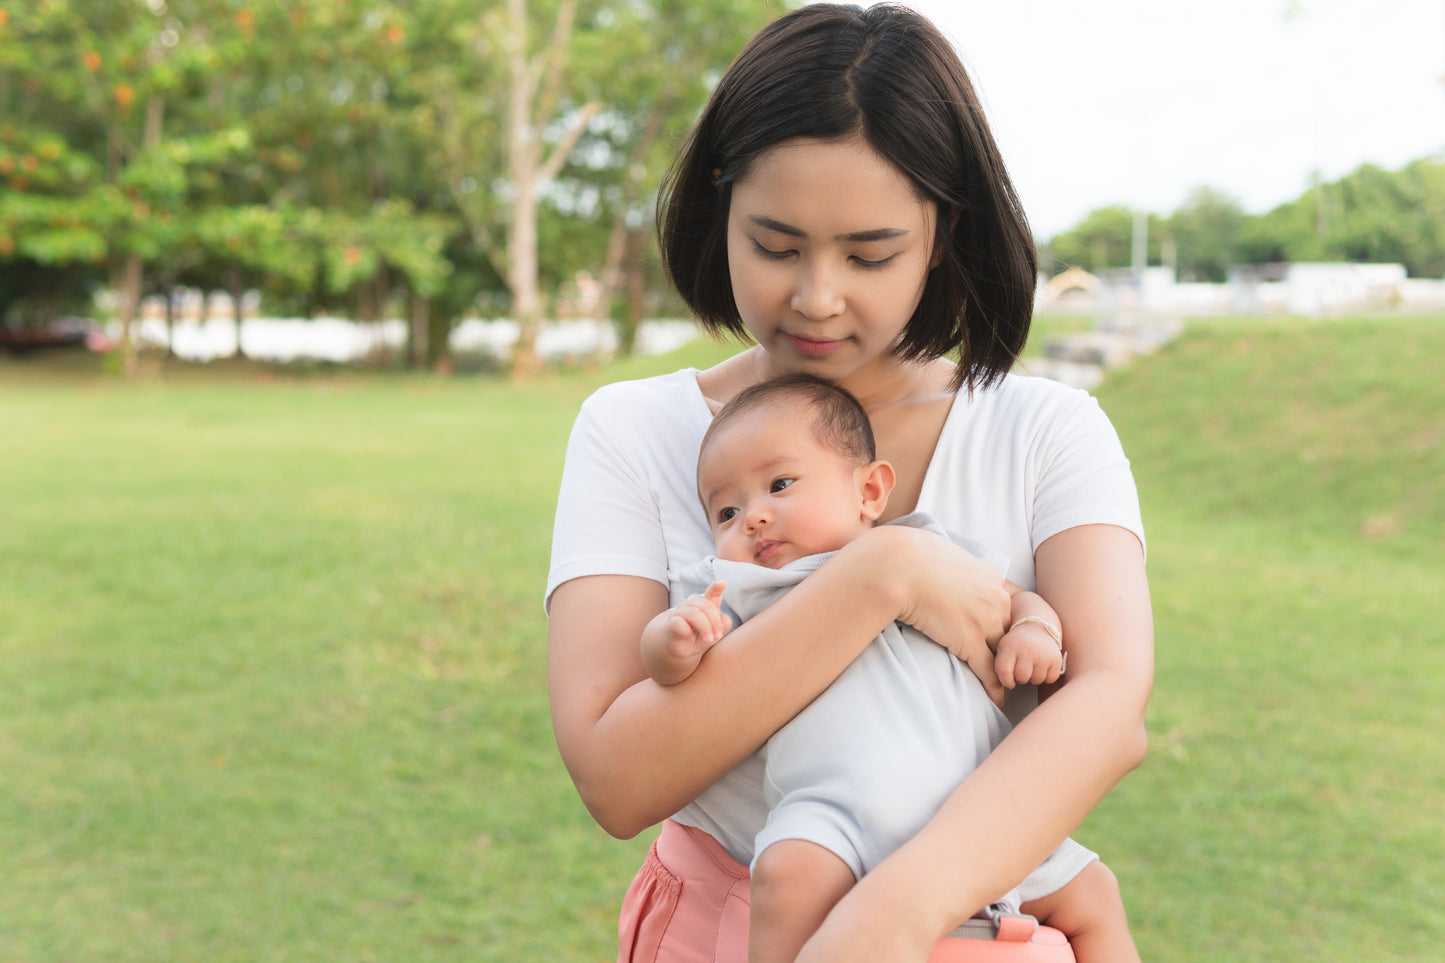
{"x": 875, "y": 484}
{"x": 946, "y": 236}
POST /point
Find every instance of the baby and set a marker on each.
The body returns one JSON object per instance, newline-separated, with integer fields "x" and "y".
{"x": 788, "y": 474}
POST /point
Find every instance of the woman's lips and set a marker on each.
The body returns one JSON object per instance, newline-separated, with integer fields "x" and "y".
{"x": 813, "y": 347}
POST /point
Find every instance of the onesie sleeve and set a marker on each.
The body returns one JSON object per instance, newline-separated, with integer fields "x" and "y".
{"x": 607, "y": 520}
{"x": 1082, "y": 475}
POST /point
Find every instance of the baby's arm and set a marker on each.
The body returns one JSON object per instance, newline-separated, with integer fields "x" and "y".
{"x": 673, "y": 643}
{"x": 1032, "y": 650}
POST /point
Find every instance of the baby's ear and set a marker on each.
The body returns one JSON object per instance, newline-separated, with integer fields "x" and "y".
{"x": 875, "y": 483}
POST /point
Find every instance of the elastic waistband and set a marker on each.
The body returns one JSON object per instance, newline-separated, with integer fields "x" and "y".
{"x": 693, "y": 854}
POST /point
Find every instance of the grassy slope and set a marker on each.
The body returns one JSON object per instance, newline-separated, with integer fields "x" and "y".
{"x": 274, "y": 680}
{"x": 1291, "y": 475}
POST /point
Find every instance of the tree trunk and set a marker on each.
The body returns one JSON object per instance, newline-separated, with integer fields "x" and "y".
{"x": 522, "y": 157}
{"x": 132, "y": 270}
{"x": 417, "y": 331}
{"x": 522, "y": 279}
{"x": 535, "y": 86}
{"x": 636, "y": 294}
{"x": 128, "y": 290}
{"x": 236, "y": 288}
{"x": 622, "y": 269}
{"x": 168, "y": 291}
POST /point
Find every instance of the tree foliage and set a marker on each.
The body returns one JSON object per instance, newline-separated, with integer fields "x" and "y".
{"x": 1370, "y": 214}
{"x": 1205, "y": 235}
{"x": 1103, "y": 240}
{"x": 343, "y": 155}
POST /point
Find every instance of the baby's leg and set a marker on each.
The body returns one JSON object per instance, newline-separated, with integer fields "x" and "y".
{"x": 795, "y": 884}
{"x": 1090, "y": 912}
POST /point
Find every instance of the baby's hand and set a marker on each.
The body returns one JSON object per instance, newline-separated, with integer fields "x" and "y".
{"x": 697, "y": 624}
{"x": 1028, "y": 654}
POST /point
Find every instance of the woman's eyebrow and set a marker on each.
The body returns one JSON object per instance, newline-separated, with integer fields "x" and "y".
{"x": 877, "y": 234}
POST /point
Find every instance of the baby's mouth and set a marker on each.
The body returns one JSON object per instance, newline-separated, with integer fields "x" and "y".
{"x": 764, "y": 549}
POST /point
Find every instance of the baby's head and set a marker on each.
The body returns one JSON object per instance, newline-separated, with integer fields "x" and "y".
{"x": 788, "y": 469}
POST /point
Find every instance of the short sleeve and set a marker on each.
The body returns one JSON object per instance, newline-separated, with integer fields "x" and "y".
{"x": 1082, "y": 475}
{"x": 607, "y": 521}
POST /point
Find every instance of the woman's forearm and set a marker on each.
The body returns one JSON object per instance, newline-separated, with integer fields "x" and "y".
{"x": 1020, "y": 804}
{"x": 638, "y": 751}
{"x": 1046, "y": 776}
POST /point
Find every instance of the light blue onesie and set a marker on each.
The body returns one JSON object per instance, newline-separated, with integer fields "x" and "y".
{"x": 868, "y": 763}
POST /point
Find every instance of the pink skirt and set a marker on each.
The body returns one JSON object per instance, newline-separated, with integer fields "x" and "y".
{"x": 689, "y": 903}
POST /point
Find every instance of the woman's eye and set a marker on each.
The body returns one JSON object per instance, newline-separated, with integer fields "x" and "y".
{"x": 780, "y": 483}
{"x": 727, "y": 514}
{"x": 868, "y": 265}
{"x": 770, "y": 254}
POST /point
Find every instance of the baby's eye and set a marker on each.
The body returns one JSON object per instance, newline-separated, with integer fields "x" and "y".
{"x": 779, "y": 484}
{"x": 726, "y": 514}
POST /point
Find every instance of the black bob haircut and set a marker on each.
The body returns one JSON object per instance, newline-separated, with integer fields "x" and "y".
{"x": 887, "y": 75}
{"x": 839, "y": 422}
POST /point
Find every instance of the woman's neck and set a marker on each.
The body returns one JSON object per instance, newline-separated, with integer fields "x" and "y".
{"x": 894, "y": 384}
{"x": 879, "y": 386}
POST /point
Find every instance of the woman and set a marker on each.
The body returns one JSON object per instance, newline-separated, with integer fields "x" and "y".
{"x": 842, "y": 202}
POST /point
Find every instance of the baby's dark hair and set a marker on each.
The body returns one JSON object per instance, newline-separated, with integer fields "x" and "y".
{"x": 884, "y": 74}
{"x": 839, "y": 421}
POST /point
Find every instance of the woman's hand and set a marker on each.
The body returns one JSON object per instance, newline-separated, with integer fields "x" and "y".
{"x": 948, "y": 595}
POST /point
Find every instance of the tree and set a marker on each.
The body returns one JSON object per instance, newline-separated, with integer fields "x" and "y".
{"x": 590, "y": 100}
{"x": 514, "y": 66}
{"x": 661, "y": 62}
{"x": 1104, "y": 240}
{"x": 147, "y": 137}
{"x": 96, "y": 179}
{"x": 1369, "y": 215}
{"x": 1206, "y": 233}
{"x": 362, "y": 157}
{"x": 337, "y": 126}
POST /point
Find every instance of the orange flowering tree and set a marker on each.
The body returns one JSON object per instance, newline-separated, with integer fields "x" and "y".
{"x": 354, "y": 156}
{"x": 131, "y": 155}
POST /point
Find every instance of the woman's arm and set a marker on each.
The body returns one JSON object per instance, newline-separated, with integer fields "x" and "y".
{"x": 639, "y": 752}
{"x": 1045, "y": 776}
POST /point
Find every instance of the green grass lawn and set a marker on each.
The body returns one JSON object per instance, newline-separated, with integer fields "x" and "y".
{"x": 273, "y": 661}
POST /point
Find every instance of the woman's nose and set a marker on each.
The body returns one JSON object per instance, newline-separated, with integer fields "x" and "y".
{"x": 817, "y": 295}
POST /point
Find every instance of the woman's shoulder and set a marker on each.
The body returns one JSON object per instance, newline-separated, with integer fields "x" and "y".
{"x": 675, "y": 387}
{"x": 1016, "y": 401}
{"x": 650, "y": 417}
{"x": 661, "y": 399}
{"x": 1019, "y": 387}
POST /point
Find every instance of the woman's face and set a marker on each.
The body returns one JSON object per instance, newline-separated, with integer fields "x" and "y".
{"x": 829, "y": 248}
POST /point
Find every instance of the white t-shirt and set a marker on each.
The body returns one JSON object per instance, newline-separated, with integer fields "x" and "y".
{"x": 1014, "y": 465}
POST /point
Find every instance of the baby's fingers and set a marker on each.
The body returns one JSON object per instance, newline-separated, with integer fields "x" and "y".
{"x": 711, "y": 602}
{"x": 1006, "y": 664}
{"x": 699, "y": 624}
{"x": 983, "y": 667}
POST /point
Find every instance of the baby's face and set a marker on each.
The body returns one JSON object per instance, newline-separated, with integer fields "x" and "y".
{"x": 773, "y": 494}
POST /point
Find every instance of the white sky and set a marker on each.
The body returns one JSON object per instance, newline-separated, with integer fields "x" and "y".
{"x": 1135, "y": 102}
